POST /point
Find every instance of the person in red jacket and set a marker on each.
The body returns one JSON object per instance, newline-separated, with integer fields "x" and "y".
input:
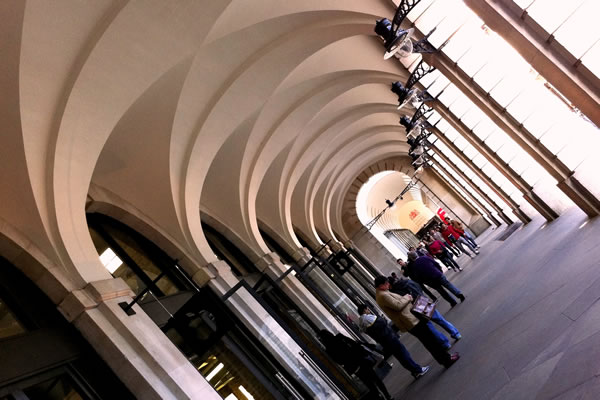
{"x": 454, "y": 237}
{"x": 459, "y": 227}
{"x": 437, "y": 249}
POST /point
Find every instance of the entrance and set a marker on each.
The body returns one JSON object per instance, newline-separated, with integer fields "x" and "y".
{"x": 42, "y": 355}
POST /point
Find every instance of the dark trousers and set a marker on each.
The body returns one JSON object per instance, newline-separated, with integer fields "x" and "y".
{"x": 368, "y": 376}
{"x": 447, "y": 259}
{"x": 437, "y": 285}
{"x": 389, "y": 340}
{"x": 424, "y": 332}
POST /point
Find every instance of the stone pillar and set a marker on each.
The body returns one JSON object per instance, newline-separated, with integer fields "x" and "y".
{"x": 271, "y": 265}
{"x": 267, "y": 331}
{"x": 133, "y": 346}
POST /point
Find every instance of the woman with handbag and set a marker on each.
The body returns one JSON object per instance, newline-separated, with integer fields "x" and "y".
{"x": 406, "y": 286}
{"x": 398, "y": 309}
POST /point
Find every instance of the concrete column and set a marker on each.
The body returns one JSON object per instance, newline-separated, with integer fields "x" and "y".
{"x": 543, "y": 53}
{"x": 497, "y": 189}
{"x": 271, "y": 265}
{"x": 268, "y": 332}
{"x": 133, "y": 346}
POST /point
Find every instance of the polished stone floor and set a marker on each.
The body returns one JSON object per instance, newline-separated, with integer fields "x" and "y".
{"x": 530, "y": 323}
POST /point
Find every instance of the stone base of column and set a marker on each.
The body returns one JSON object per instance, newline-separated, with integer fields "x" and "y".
{"x": 541, "y": 206}
{"x": 521, "y": 215}
{"x": 133, "y": 346}
{"x": 580, "y": 196}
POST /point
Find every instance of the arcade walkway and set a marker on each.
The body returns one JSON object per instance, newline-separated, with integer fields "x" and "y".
{"x": 531, "y": 321}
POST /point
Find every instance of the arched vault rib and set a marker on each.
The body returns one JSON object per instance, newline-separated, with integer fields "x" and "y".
{"x": 304, "y": 215}
{"x": 323, "y": 195}
{"x": 141, "y": 43}
{"x": 339, "y": 164}
{"x": 328, "y": 128}
{"x": 345, "y": 219}
{"x": 255, "y": 80}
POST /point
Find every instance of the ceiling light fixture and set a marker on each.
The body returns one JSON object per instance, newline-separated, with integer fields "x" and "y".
{"x": 397, "y": 41}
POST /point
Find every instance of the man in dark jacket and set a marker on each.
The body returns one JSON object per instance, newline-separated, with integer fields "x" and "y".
{"x": 379, "y": 329}
{"x": 425, "y": 270}
{"x": 407, "y": 286}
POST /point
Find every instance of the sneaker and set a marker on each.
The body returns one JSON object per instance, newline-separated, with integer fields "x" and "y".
{"x": 424, "y": 370}
{"x": 453, "y": 358}
{"x": 457, "y": 337}
{"x": 461, "y": 297}
{"x": 460, "y": 269}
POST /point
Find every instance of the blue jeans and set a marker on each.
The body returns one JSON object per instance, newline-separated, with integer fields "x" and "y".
{"x": 470, "y": 239}
{"x": 438, "y": 319}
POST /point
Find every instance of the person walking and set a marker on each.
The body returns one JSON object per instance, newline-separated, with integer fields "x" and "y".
{"x": 407, "y": 286}
{"x": 437, "y": 235}
{"x": 355, "y": 359}
{"x": 424, "y": 270}
{"x": 436, "y": 249}
{"x": 379, "y": 329}
{"x": 397, "y": 308}
{"x": 453, "y": 237}
{"x": 460, "y": 229}
{"x": 424, "y": 288}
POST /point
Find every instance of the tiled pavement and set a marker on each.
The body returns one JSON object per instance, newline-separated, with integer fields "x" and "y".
{"x": 531, "y": 321}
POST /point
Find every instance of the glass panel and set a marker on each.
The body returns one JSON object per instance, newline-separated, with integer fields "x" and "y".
{"x": 470, "y": 151}
{"x": 471, "y": 118}
{"x": 217, "y": 360}
{"x": 9, "y": 324}
{"x": 551, "y": 13}
{"x": 335, "y": 296}
{"x": 450, "y": 94}
{"x": 581, "y": 30}
{"x": 119, "y": 268}
{"x": 122, "y": 271}
{"x": 494, "y": 142}
{"x": 592, "y": 59}
{"x": 555, "y": 139}
{"x": 484, "y": 128}
{"x": 464, "y": 38}
{"x": 274, "y": 338}
{"x": 522, "y": 107}
{"x": 489, "y": 76}
{"x": 523, "y": 3}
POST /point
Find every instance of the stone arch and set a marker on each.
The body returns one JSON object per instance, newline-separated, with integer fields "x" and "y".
{"x": 103, "y": 201}
{"x": 30, "y": 260}
{"x": 291, "y": 249}
{"x": 351, "y": 223}
{"x": 221, "y": 227}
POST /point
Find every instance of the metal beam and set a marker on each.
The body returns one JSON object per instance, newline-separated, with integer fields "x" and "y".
{"x": 538, "y": 47}
{"x": 493, "y": 185}
{"x": 476, "y": 188}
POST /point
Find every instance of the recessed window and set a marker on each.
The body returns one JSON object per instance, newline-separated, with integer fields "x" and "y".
{"x": 110, "y": 260}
